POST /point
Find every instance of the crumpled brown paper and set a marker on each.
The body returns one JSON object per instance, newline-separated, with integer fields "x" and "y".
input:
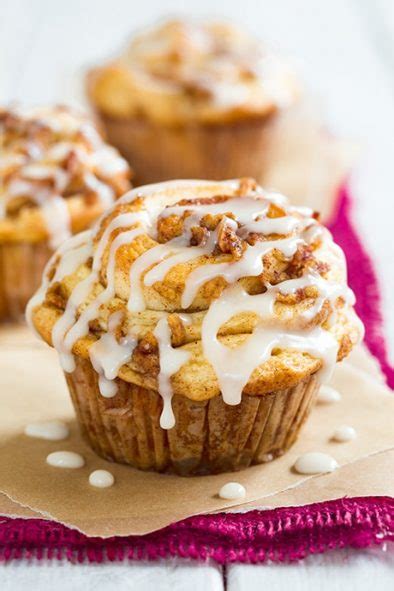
{"x": 32, "y": 387}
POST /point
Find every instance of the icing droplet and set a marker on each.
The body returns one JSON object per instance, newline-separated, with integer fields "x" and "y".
{"x": 101, "y": 479}
{"x": 65, "y": 459}
{"x": 232, "y": 490}
{"x": 344, "y": 433}
{"x": 170, "y": 362}
{"x": 51, "y": 430}
{"x": 328, "y": 395}
{"x": 315, "y": 463}
{"x": 108, "y": 355}
{"x": 108, "y": 388}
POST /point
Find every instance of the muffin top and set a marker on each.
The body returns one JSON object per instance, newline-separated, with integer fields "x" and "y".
{"x": 57, "y": 175}
{"x": 180, "y": 72}
{"x": 199, "y": 288}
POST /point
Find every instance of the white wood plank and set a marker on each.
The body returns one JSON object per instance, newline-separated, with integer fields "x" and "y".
{"x": 171, "y": 575}
{"x": 353, "y": 570}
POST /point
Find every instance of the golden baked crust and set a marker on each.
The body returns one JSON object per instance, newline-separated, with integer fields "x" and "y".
{"x": 57, "y": 175}
{"x": 180, "y": 72}
{"x": 215, "y": 226}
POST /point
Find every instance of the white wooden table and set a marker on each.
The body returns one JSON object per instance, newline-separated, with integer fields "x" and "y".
{"x": 345, "y": 50}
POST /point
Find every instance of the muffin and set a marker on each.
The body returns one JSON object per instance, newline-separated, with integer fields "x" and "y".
{"x": 195, "y": 323}
{"x": 193, "y": 100}
{"x": 57, "y": 176}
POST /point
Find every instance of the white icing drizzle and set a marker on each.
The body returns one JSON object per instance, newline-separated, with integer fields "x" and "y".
{"x": 67, "y": 330}
{"x": 101, "y": 479}
{"x": 108, "y": 355}
{"x": 315, "y": 462}
{"x": 233, "y": 366}
{"x": 136, "y": 301}
{"x": 51, "y": 430}
{"x": 53, "y": 206}
{"x": 344, "y": 433}
{"x": 232, "y": 490}
{"x": 244, "y": 209}
{"x": 105, "y": 193}
{"x": 65, "y": 459}
{"x": 107, "y": 161}
{"x": 55, "y": 212}
{"x": 328, "y": 395}
{"x": 171, "y": 361}
{"x": 266, "y": 226}
{"x": 164, "y": 257}
{"x": 327, "y": 291}
{"x": 71, "y": 255}
{"x": 250, "y": 264}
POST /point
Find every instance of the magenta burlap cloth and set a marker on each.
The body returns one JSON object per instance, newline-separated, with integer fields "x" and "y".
{"x": 279, "y": 535}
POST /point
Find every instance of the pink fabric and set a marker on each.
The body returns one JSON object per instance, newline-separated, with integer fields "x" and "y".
{"x": 279, "y": 535}
{"x": 364, "y": 282}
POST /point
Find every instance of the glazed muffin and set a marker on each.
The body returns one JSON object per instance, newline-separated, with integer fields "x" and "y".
{"x": 195, "y": 323}
{"x": 57, "y": 176}
{"x": 190, "y": 100}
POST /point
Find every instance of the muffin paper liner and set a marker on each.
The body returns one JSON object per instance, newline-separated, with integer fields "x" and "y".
{"x": 209, "y": 437}
{"x": 21, "y": 267}
{"x": 214, "y": 152}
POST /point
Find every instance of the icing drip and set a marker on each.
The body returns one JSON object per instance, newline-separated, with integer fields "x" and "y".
{"x": 101, "y": 479}
{"x": 251, "y": 264}
{"x": 53, "y": 206}
{"x": 244, "y": 209}
{"x": 232, "y": 491}
{"x": 315, "y": 462}
{"x": 171, "y": 361}
{"x": 328, "y": 395}
{"x": 136, "y": 301}
{"x": 105, "y": 193}
{"x": 51, "y": 430}
{"x": 327, "y": 291}
{"x": 234, "y": 367}
{"x": 55, "y": 212}
{"x": 164, "y": 257}
{"x": 71, "y": 255}
{"x": 68, "y": 330}
{"x": 65, "y": 459}
{"x": 344, "y": 433}
{"x": 266, "y": 226}
{"x": 108, "y": 355}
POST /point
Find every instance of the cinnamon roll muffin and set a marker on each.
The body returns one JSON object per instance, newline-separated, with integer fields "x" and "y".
{"x": 190, "y": 100}
{"x": 56, "y": 177}
{"x": 195, "y": 323}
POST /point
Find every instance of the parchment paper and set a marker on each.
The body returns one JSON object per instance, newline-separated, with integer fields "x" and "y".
{"x": 32, "y": 387}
